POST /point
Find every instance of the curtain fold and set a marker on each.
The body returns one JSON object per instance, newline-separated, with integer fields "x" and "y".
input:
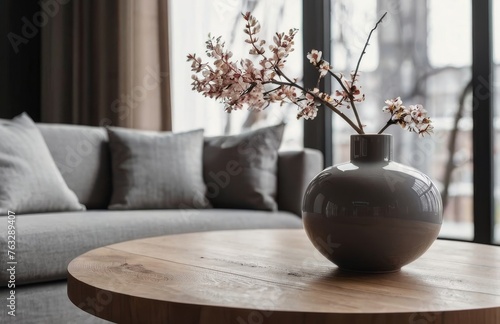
{"x": 107, "y": 63}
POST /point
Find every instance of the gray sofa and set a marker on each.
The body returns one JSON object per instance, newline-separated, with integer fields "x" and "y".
{"x": 47, "y": 242}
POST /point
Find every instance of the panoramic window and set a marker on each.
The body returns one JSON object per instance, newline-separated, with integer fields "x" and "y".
{"x": 421, "y": 52}
{"x": 189, "y": 32}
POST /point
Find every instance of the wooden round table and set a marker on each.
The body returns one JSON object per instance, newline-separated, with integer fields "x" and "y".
{"x": 276, "y": 276}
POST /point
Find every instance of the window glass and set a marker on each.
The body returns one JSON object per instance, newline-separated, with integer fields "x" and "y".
{"x": 422, "y": 53}
{"x": 190, "y": 23}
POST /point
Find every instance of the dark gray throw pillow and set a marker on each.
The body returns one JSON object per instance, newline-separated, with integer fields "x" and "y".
{"x": 240, "y": 171}
{"x": 30, "y": 181}
{"x": 156, "y": 170}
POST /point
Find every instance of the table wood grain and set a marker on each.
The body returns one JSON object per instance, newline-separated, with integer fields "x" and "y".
{"x": 276, "y": 276}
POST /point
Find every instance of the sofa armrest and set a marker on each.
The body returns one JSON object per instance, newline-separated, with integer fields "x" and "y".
{"x": 295, "y": 170}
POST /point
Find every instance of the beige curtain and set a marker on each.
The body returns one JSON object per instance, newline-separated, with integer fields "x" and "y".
{"x": 106, "y": 63}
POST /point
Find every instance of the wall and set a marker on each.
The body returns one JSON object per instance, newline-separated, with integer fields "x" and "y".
{"x": 19, "y": 64}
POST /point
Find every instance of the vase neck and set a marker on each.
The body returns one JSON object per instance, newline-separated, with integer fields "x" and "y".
{"x": 371, "y": 147}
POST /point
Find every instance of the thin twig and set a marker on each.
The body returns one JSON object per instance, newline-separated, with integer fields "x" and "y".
{"x": 351, "y": 100}
{"x": 329, "y": 105}
{"x": 366, "y": 45}
{"x": 389, "y": 123}
{"x": 336, "y": 77}
{"x": 351, "y": 97}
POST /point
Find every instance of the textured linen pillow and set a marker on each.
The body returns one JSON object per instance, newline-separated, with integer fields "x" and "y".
{"x": 156, "y": 170}
{"x": 30, "y": 181}
{"x": 241, "y": 170}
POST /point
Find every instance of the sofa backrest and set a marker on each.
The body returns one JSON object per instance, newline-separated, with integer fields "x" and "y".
{"x": 295, "y": 170}
{"x": 83, "y": 157}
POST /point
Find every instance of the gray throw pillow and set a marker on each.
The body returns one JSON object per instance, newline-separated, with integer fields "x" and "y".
{"x": 241, "y": 170}
{"x": 30, "y": 181}
{"x": 156, "y": 170}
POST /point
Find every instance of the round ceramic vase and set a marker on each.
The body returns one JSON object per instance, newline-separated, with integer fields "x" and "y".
{"x": 372, "y": 214}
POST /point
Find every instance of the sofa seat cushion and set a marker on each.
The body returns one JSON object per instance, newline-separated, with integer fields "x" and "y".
{"x": 45, "y": 245}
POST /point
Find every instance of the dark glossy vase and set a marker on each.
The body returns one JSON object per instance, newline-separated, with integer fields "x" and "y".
{"x": 372, "y": 214}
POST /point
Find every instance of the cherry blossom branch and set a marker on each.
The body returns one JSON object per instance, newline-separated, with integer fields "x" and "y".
{"x": 326, "y": 103}
{"x": 358, "y": 120}
{"x": 347, "y": 119}
{"x": 243, "y": 83}
{"x": 351, "y": 100}
{"x": 389, "y": 123}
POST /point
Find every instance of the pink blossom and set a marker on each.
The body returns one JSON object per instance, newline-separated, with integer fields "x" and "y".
{"x": 314, "y": 57}
{"x": 412, "y": 118}
{"x": 257, "y": 82}
{"x": 324, "y": 67}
